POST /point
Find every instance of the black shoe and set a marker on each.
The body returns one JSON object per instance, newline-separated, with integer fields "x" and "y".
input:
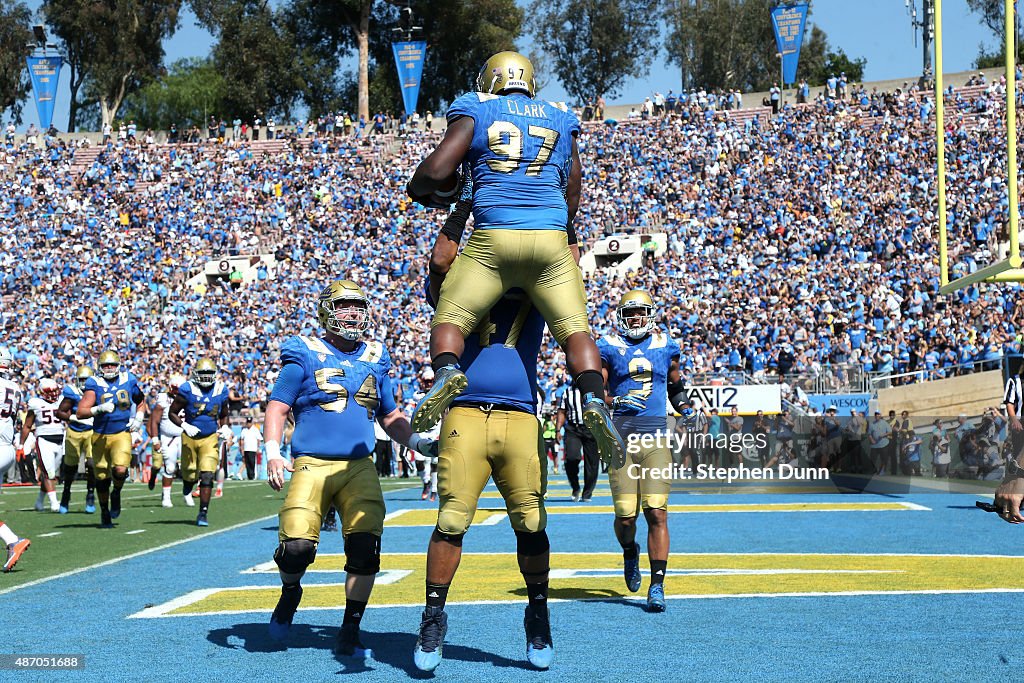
{"x": 105, "y": 520}
{"x": 154, "y": 472}
{"x": 115, "y": 503}
{"x": 539, "y": 650}
{"x": 430, "y": 643}
{"x": 348, "y": 644}
{"x": 281, "y": 619}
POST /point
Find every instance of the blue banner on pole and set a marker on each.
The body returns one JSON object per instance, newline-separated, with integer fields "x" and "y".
{"x": 788, "y": 23}
{"x": 409, "y": 58}
{"x": 45, "y": 72}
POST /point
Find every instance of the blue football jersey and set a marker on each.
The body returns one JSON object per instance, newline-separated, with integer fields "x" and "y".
{"x": 336, "y": 397}
{"x": 520, "y": 158}
{"x": 500, "y": 359}
{"x": 203, "y": 406}
{"x": 74, "y": 395}
{"x": 122, "y": 392}
{"x": 641, "y": 370}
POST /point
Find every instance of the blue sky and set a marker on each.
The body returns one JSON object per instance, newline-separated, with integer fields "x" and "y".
{"x": 879, "y": 30}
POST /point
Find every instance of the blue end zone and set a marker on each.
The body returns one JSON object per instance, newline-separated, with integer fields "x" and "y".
{"x": 862, "y": 637}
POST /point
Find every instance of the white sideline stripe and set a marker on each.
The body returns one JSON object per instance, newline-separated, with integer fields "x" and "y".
{"x": 385, "y": 577}
{"x": 134, "y": 531}
{"x": 397, "y": 513}
{"x": 494, "y": 520}
{"x": 131, "y": 556}
{"x": 195, "y": 596}
{"x": 165, "y": 546}
{"x": 614, "y": 573}
{"x": 52, "y": 533}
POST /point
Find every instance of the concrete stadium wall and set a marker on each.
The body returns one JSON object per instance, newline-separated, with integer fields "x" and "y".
{"x": 968, "y": 394}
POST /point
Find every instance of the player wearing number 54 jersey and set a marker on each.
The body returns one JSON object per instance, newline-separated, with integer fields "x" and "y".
{"x": 109, "y": 400}
{"x": 337, "y": 386}
{"x": 641, "y": 365}
{"x": 526, "y": 180}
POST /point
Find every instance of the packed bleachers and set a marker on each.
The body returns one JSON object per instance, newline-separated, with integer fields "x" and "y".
{"x": 801, "y": 243}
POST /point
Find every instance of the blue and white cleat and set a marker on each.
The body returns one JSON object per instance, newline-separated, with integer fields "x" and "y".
{"x": 631, "y": 570}
{"x": 63, "y": 509}
{"x": 656, "y": 598}
{"x": 449, "y": 382}
{"x": 539, "y": 650}
{"x": 284, "y": 612}
{"x": 201, "y": 519}
{"x": 610, "y": 446}
{"x": 430, "y": 643}
{"x": 90, "y": 503}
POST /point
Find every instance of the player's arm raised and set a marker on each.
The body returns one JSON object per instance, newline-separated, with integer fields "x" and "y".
{"x": 438, "y": 170}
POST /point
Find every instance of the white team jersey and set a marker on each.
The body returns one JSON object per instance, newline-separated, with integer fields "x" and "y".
{"x": 167, "y": 428}
{"x": 10, "y": 403}
{"x": 46, "y": 422}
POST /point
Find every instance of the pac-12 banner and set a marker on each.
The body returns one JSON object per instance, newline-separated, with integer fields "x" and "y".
{"x": 409, "y": 57}
{"x": 788, "y": 23}
{"x": 45, "y": 72}
{"x": 747, "y": 399}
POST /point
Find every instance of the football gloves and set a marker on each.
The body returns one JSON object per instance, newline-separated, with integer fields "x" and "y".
{"x": 629, "y": 402}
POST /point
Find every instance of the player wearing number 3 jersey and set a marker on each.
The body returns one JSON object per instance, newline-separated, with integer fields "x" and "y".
{"x": 641, "y": 364}
{"x": 337, "y": 386}
{"x": 525, "y": 171}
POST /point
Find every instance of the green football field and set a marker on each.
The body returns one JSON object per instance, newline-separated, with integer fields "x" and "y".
{"x": 65, "y": 543}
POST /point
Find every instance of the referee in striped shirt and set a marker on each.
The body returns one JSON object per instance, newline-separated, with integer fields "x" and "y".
{"x": 578, "y": 445}
{"x": 1011, "y": 491}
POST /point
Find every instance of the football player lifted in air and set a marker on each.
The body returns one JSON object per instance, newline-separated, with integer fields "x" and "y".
{"x": 109, "y": 399}
{"x": 491, "y": 432}
{"x": 43, "y": 430}
{"x": 77, "y": 442}
{"x": 10, "y": 403}
{"x": 167, "y": 445}
{"x": 641, "y": 365}
{"x": 204, "y": 401}
{"x": 337, "y": 385}
{"x": 526, "y": 179}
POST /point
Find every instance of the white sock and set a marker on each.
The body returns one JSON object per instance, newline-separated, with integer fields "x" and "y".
{"x": 6, "y": 535}
{"x": 167, "y": 492}
{"x": 52, "y": 495}
{"x": 433, "y": 482}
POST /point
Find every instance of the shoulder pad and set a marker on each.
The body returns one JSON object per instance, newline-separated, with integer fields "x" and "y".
{"x": 97, "y": 381}
{"x": 219, "y": 388}
{"x": 186, "y": 388}
{"x": 486, "y": 96}
{"x": 373, "y": 352}
{"x": 71, "y": 391}
{"x": 35, "y": 403}
{"x": 316, "y": 345}
{"x": 658, "y": 340}
{"x": 613, "y": 340}
{"x": 124, "y": 377}
{"x": 561, "y": 106}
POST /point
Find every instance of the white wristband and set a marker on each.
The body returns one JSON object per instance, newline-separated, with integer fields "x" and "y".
{"x": 273, "y": 450}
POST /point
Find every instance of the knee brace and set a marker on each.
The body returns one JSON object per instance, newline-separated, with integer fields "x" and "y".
{"x": 362, "y": 553}
{"x": 169, "y": 468}
{"x": 532, "y": 544}
{"x": 294, "y": 555}
{"x": 206, "y": 480}
{"x": 453, "y": 539}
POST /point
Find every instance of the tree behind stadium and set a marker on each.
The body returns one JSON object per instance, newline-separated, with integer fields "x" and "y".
{"x": 596, "y": 44}
{"x": 113, "y": 47}
{"x": 15, "y": 34}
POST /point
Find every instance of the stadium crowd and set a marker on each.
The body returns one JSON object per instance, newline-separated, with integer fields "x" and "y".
{"x": 797, "y": 243}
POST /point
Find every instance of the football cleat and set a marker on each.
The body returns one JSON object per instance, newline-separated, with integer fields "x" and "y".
{"x": 166, "y": 502}
{"x": 201, "y": 519}
{"x": 115, "y": 503}
{"x": 39, "y": 503}
{"x": 575, "y": 496}
{"x": 188, "y": 500}
{"x": 598, "y": 420}
{"x": 330, "y": 523}
{"x": 218, "y": 493}
{"x": 426, "y": 492}
{"x": 539, "y": 651}
{"x": 656, "y": 598}
{"x": 631, "y": 570}
{"x": 105, "y": 520}
{"x": 449, "y": 382}
{"x": 284, "y": 612}
{"x": 154, "y": 474}
{"x": 347, "y": 643}
{"x": 430, "y": 643}
{"x": 63, "y": 509}
{"x": 433, "y": 496}
{"x": 14, "y": 552}
{"x": 90, "y": 502}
